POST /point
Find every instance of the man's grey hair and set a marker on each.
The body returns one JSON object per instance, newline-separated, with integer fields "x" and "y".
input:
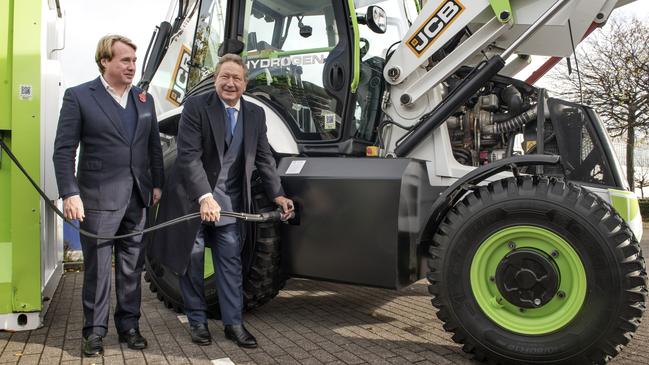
{"x": 231, "y": 57}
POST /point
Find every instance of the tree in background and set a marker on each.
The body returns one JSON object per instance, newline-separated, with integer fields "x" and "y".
{"x": 614, "y": 68}
{"x": 642, "y": 179}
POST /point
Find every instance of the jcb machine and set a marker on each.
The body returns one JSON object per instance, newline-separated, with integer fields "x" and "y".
{"x": 412, "y": 153}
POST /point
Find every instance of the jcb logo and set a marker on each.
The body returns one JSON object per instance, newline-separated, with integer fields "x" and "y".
{"x": 434, "y": 26}
{"x": 179, "y": 78}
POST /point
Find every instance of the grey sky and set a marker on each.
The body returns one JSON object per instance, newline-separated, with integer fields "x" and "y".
{"x": 88, "y": 20}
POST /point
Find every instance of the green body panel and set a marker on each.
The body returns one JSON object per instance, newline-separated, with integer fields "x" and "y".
{"x": 20, "y": 229}
{"x": 552, "y": 316}
{"x": 418, "y": 6}
{"x": 6, "y": 25}
{"x": 275, "y": 54}
{"x": 357, "y": 48}
{"x": 5, "y": 277}
{"x": 625, "y": 203}
{"x": 6, "y": 32}
{"x": 502, "y": 7}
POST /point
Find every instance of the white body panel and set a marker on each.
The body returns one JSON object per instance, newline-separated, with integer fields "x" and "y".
{"x": 279, "y": 136}
{"x": 173, "y": 70}
{"x": 53, "y": 41}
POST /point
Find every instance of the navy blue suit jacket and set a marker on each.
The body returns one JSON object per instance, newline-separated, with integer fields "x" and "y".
{"x": 109, "y": 164}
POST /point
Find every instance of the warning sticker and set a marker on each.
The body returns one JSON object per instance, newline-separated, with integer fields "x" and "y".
{"x": 330, "y": 121}
{"x": 295, "y": 167}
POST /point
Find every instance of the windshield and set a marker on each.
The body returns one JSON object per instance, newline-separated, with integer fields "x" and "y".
{"x": 287, "y": 44}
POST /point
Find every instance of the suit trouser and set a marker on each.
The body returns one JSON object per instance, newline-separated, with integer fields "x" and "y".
{"x": 225, "y": 243}
{"x": 97, "y": 261}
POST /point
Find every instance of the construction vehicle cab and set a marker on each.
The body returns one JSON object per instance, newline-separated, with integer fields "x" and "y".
{"x": 511, "y": 203}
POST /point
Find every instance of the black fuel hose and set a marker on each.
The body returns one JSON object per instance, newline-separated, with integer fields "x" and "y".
{"x": 260, "y": 217}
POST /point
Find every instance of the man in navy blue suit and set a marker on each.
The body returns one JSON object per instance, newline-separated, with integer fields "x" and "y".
{"x": 221, "y": 140}
{"x": 120, "y": 173}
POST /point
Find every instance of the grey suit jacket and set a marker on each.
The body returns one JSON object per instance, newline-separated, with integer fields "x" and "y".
{"x": 109, "y": 164}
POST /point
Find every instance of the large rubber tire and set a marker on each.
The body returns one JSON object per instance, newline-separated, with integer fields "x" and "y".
{"x": 262, "y": 279}
{"x": 601, "y": 274}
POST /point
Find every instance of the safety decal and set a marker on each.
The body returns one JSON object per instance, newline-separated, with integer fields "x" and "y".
{"x": 295, "y": 167}
{"x": 434, "y": 26}
{"x": 329, "y": 121}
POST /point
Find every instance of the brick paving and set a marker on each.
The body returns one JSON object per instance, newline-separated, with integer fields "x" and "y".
{"x": 309, "y": 322}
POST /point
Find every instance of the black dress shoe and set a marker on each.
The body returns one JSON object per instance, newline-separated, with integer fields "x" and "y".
{"x": 93, "y": 346}
{"x": 240, "y": 335}
{"x": 200, "y": 334}
{"x": 133, "y": 339}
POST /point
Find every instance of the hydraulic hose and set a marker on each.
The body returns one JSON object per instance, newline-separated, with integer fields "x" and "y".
{"x": 260, "y": 217}
{"x": 511, "y": 124}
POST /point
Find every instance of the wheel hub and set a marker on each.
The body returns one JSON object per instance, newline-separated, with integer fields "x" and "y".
{"x": 527, "y": 278}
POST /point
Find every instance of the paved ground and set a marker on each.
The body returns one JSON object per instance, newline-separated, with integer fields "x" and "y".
{"x": 308, "y": 323}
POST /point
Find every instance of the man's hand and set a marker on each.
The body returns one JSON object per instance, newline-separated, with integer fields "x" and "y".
{"x": 287, "y": 206}
{"x": 73, "y": 208}
{"x": 157, "y": 193}
{"x": 210, "y": 209}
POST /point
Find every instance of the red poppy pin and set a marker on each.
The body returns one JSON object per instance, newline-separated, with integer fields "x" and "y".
{"x": 142, "y": 96}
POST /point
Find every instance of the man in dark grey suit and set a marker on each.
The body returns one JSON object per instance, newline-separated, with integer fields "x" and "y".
{"x": 120, "y": 173}
{"x": 221, "y": 138}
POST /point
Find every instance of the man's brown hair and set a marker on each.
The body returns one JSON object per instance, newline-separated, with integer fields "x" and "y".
{"x": 105, "y": 48}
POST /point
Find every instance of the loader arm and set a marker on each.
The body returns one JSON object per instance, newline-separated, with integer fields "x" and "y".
{"x": 489, "y": 34}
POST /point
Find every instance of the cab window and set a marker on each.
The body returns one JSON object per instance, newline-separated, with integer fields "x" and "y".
{"x": 287, "y": 44}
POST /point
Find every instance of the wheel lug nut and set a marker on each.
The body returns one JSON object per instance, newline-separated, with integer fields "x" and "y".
{"x": 561, "y": 294}
{"x": 492, "y": 279}
{"x": 554, "y": 253}
{"x": 511, "y": 245}
{"x": 522, "y": 310}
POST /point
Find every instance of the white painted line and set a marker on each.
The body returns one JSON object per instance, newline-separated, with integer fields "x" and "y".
{"x": 223, "y": 361}
{"x": 183, "y": 318}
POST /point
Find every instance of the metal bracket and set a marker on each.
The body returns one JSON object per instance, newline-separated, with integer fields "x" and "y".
{"x": 502, "y": 9}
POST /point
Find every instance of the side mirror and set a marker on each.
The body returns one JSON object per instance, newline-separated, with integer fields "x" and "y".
{"x": 375, "y": 19}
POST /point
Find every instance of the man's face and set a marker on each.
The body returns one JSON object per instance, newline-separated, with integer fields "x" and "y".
{"x": 230, "y": 83}
{"x": 120, "y": 70}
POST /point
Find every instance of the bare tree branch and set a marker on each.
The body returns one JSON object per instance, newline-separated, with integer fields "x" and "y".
{"x": 614, "y": 68}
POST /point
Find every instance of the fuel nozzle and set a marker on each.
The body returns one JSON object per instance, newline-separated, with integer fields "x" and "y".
{"x": 271, "y": 216}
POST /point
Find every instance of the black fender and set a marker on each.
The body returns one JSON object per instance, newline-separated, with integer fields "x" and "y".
{"x": 468, "y": 182}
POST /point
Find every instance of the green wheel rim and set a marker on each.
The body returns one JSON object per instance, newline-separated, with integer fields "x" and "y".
{"x": 552, "y": 316}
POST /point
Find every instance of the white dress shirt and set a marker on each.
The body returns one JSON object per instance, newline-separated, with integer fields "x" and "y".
{"x": 121, "y": 100}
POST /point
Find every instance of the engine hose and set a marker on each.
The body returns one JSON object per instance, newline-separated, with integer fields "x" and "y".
{"x": 512, "y": 124}
{"x": 513, "y": 99}
{"x": 260, "y": 217}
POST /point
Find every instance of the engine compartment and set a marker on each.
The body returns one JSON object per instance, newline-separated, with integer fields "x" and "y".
{"x": 498, "y": 122}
